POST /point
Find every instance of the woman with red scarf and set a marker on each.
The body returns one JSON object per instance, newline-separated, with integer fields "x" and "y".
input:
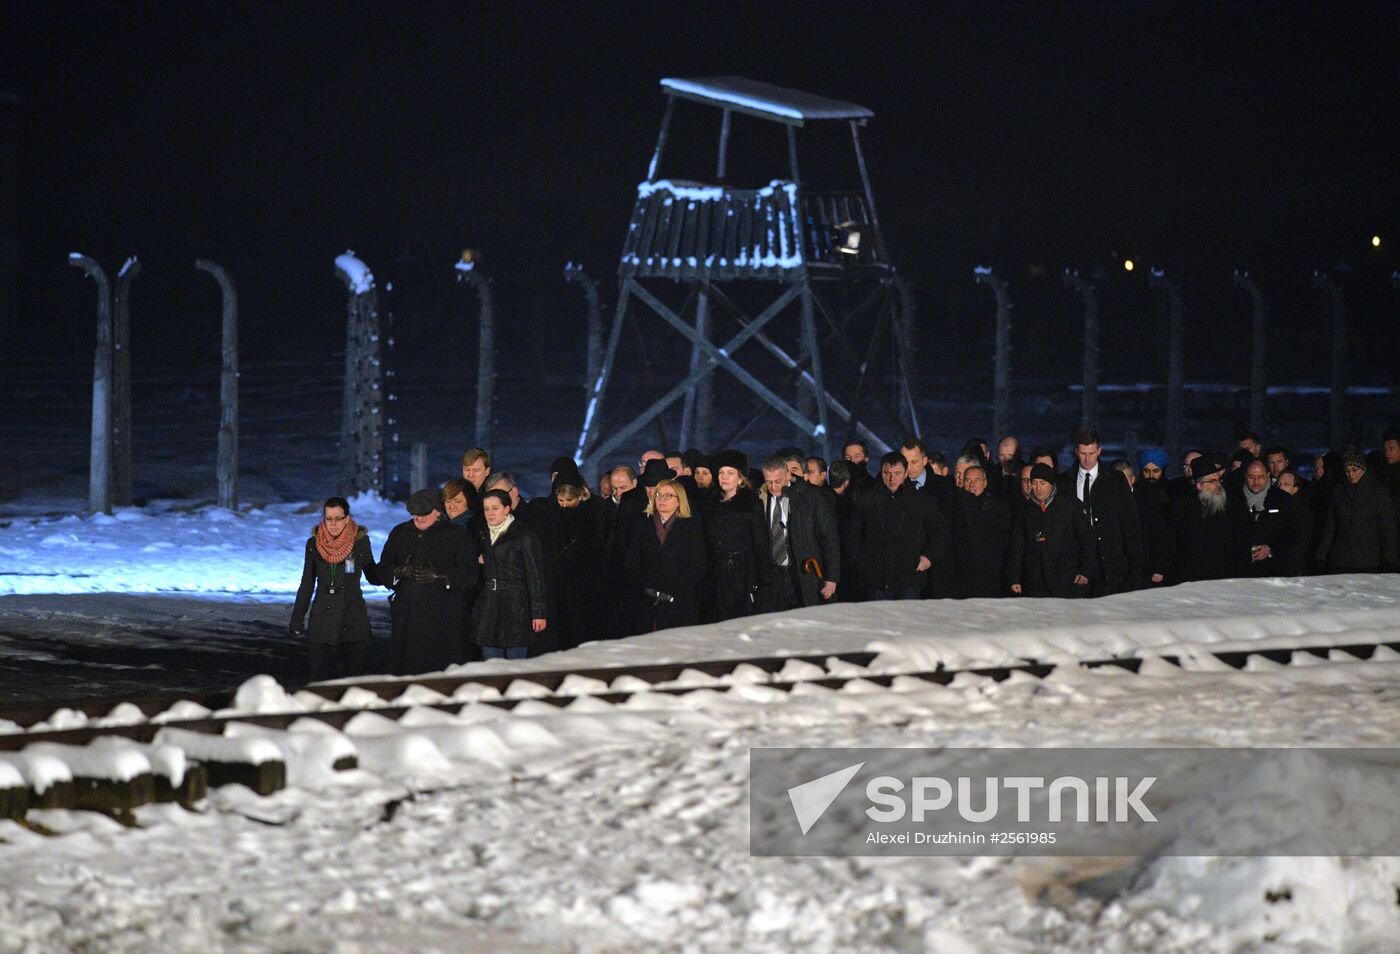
{"x": 337, "y": 554}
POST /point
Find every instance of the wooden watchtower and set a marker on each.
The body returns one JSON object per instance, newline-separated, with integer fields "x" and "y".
{"x": 691, "y": 247}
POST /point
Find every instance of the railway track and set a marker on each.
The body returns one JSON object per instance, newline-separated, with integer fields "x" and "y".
{"x": 123, "y": 753}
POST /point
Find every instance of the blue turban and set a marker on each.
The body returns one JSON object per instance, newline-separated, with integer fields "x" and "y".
{"x": 1152, "y": 455}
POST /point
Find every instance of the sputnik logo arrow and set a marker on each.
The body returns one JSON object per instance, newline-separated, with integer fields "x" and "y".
{"x": 810, "y": 800}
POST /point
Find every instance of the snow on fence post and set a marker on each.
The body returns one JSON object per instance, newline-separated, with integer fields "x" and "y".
{"x": 227, "y": 473}
{"x": 486, "y": 352}
{"x": 100, "y": 457}
{"x": 1176, "y": 361}
{"x": 121, "y": 384}
{"x": 418, "y": 466}
{"x": 1257, "y": 393}
{"x": 1089, "y": 400}
{"x": 575, "y": 273}
{"x": 1336, "y": 430}
{"x": 1001, "y": 381}
{"x": 362, "y": 408}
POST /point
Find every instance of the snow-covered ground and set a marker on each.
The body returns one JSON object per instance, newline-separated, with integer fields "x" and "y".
{"x": 624, "y": 828}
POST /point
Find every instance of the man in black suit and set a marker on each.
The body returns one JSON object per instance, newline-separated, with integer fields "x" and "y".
{"x": 802, "y": 539}
{"x": 956, "y": 577}
{"x": 1107, "y": 501}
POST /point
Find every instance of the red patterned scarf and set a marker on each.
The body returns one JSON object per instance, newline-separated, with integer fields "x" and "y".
{"x": 335, "y": 549}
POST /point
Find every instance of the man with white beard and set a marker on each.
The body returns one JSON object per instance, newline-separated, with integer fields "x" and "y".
{"x": 1203, "y": 542}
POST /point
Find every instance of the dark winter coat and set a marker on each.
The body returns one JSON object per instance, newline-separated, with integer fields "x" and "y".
{"x": 890, "y": 532}
{"x": 953, "y": 575}
{"x": 428, "y": 618}
{"x": 739, "y": 558}
{"x": 338, "y": 613}
{"x": 1114, "y": 518}
{"x": 1359, "y": 535}
{"x": 1154, "y": 517}
{"x": 1201, "y": 547}
{"x": 676, "y": 568}
{"x": 1274, "y": 526}
{"x": 811, "y": 533}
{"x": 989, "y": 523}
{"x": 513, "y": 591}
{"x": 1049, "y": 547}
{"x": 572, "y": 556}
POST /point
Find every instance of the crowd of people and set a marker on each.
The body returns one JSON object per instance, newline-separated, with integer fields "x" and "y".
{"x": 683, "y": 538}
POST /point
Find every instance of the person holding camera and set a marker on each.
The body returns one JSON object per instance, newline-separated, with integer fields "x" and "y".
{"x": 667, "y": 560}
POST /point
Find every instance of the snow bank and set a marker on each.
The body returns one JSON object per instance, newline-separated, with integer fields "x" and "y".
{"x": 164, "y": 549}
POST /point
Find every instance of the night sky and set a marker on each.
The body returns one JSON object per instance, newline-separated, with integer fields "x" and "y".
{"x": 1031, "y": 137}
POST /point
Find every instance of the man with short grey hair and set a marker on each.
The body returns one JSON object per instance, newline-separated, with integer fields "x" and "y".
{"x": 802, "y": 539}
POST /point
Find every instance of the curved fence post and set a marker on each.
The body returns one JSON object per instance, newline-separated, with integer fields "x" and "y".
{"x": 121, "y": 383}
{"x": 1336, "y": 430}
{"x": 575, "y": 273}
{"x": 362, "y": 406}
{"x": 1001, "y": 382}
{"x": 1257, "y": 392}
{"x": 486, "y": 354}
{"x": 100, "y": 455}
{"x": 1089, "y": 401}
{"x": 228, "y": 387}
{"x": 1176, "y": 361}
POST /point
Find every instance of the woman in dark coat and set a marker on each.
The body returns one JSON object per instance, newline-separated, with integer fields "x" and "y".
{"x": 740, "y": 562}
{"x": 337, "y": 554}
{"x": 666, "y": 559}
{"x": 512, "y": 609}
{"x": 1359, "y": 533}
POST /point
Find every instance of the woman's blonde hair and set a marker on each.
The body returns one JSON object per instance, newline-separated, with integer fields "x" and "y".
{"x": 681, "y": 498}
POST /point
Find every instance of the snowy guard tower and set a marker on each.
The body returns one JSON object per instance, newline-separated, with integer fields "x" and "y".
{"x": 750, "y": 257}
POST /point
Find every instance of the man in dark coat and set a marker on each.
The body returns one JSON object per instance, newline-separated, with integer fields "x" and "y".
{"x": 1359, "y": 535}
{"x": 1389, "y": 471}
{"x": 802, "y": 541}
{"x": 953, "y": 579}
{"x": 989, "y": 522}
{"x": 1051, "y": 552}
{"x": 1205, "y": 532}
{"x": 432, "y": 566}
{"x": 857, "y": 454}
{"x": 1154, "y": 513}
{"x": 740, "y": 564}
{"x": 897, "y": 535}
{"x": 1296, "y": 560}
{"x": 569, "y": 544}
{"x": 1269, "y": 529}
{"x": 1108, "y": 503}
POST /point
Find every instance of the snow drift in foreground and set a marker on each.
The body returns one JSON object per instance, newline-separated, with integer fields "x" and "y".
{"x": 623, "y": 827}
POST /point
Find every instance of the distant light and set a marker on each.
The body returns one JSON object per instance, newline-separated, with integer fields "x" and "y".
{"x": 1127, "y": 265}
{"x": 848, "y": 239}
{"x": 1375, "y": 241}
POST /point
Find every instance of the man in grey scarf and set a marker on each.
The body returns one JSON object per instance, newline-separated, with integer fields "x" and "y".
{"x": 1269, "y": 525}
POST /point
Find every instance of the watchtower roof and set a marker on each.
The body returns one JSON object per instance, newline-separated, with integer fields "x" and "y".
{"x": 764, "y": 100}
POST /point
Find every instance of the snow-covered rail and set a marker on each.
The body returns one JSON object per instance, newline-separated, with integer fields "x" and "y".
{"x": 114, "y": 756}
